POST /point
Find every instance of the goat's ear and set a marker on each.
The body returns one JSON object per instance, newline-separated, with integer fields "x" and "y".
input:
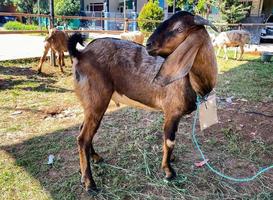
{"x": 179, "y": 63}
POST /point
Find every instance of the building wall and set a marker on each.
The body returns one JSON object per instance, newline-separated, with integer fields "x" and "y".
{"x": 113, "y": 5}
{"x": 140, "y": 4}
{"x": 255, "y": 7}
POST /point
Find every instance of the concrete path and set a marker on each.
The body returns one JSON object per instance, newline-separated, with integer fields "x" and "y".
{"x": 18, "y": 46}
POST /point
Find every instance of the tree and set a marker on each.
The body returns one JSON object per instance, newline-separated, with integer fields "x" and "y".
{"x": 202, "y": 7}
{"x": 152, "y": 11}
{"x": 232, "y": 11}
{"x": 67, "y": 7}
{"x": 186, "y": 5}
{"x": 44, "y": 7}
{"x": 5, "y": 2}
{"x": 25, "y": 5}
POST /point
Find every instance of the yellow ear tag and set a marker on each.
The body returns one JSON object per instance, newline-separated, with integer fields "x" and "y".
{"x": 208, "y": 112}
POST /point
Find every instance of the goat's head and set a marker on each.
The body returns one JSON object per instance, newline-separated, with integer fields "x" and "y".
{"x": 173, "y": 31}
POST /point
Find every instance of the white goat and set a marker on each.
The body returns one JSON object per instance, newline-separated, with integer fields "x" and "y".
{"x": 135, "y": 36}
{"x": 234, "y": 38}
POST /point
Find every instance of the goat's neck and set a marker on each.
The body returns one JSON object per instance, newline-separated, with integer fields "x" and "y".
{"x": 203, "y": 74}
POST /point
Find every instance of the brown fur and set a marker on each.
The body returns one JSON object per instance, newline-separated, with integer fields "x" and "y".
{"x": 136, "y": 37}
{"x": 57, "y": 42}
{"x": 170, "y": 85}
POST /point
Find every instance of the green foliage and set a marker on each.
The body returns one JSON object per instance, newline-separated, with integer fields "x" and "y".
{"x": 67, "y": 7}
{"x": 25, "y": 5}
{"x": 151, "y": 11}
{"x": 5, "y": 2}
{"x": 13, "y": 25}
{"x": 233, "y": 11}
{"x": 186, "y": 5}
{"x": 44, "y": 7}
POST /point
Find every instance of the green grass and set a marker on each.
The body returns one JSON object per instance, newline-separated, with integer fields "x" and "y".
{"x": 249, "y": 78}
{"x": 129, "y": 141}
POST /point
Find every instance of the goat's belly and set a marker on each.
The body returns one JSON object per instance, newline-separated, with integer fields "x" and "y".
{"x": 116, "y": 97}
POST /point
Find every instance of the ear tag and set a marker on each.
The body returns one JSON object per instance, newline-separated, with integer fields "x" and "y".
{"x": 208, "y": 112}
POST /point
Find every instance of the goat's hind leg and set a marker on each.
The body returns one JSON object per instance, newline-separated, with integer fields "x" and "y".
{"x": 93, "y": 113}
{"x": 60, "y": 61}
{"x": 95, "y": 156}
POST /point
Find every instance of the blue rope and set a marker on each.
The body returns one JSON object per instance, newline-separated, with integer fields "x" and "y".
{"x": 247, "y": 179}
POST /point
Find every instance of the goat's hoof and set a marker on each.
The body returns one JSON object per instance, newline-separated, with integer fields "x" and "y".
{"x": 92, "y": 191}
{"x": 170, "y": 175}
{"x": 172, "y": 159}
{"x": 97, "y": 159}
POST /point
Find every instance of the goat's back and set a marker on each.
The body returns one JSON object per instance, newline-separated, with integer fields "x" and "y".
{"x": 136, "y": 36}
{"x": 58, "y": 40}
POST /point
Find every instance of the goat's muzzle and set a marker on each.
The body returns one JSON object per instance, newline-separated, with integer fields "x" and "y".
{"x": 150, "y": 49}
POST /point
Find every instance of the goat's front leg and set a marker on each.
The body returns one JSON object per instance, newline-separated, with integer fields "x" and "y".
{"x": 42, "y": 60}
{"x": 170, "y": 127}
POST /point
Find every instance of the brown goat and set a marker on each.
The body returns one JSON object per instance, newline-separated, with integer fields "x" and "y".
{"x": 124, "y": 71}
{"x": 57, "y": 42}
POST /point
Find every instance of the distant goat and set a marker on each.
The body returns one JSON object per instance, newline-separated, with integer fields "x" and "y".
{"x": 234, "y": 38}
{"x": 124, "y": 71}
{"x": 57, "y": 42}
{"x": 135, "y": 36}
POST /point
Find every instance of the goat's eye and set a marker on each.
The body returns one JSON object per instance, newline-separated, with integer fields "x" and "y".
{"x": 180, "y": 29}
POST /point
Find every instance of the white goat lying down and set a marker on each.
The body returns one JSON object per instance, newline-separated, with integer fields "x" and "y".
{"x": 234, "y": 38}
{"x": 135, "y": 36}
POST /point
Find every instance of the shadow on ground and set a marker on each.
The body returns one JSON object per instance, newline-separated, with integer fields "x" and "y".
{"x": 25, "y": 78}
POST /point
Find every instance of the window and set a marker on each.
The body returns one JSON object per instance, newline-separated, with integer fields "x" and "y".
{"x": 96, "y": 7}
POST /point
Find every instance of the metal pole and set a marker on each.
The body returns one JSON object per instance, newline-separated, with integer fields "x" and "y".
{"x": 174, "y": 4}
{"x": 124, "y": 13}
{"x": 124, "y": 9}
{"x": 51, "y": 9}
{"x": 39, "y": 19}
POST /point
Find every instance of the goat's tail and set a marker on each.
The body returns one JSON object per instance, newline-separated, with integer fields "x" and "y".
{"x": 72, "y": 43}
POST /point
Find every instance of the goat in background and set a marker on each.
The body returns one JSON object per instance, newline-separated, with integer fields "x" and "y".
{"x": 135, "y": 36}
{"x": 234, "y": 38}
{"x": 181, "y": 66}
{"x": 57, "y": 42}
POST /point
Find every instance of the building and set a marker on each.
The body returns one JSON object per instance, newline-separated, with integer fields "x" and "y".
{"x": 114, "y": 6}
{"x": 260, "y": 7}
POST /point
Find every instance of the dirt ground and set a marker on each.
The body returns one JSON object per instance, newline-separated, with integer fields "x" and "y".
{"x": 40, "y": 116}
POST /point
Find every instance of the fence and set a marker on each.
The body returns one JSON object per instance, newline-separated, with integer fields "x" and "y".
{"x": 102, "y": 19}
{"x": 124, "y": 21}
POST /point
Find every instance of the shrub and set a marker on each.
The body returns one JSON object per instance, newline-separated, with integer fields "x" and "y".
{"x": 151, "y": 11}
{"x": 14, "y": 25}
